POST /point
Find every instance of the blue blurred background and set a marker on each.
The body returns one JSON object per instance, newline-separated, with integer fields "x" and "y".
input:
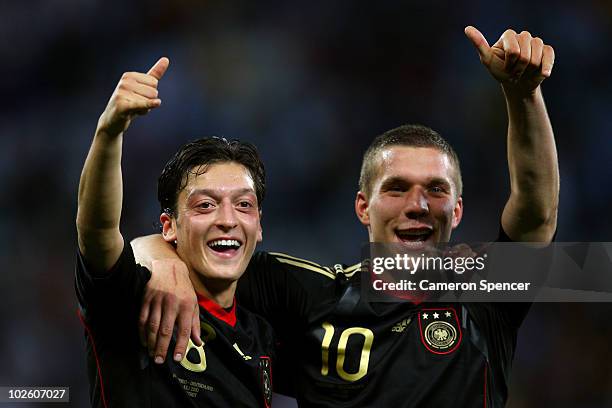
{"x": 311, "y": 84}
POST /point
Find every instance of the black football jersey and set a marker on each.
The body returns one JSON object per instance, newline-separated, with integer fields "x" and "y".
{"x": 339, "y": 350}
{"x": 232, "y": 369}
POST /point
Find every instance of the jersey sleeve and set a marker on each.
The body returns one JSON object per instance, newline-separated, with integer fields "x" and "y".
{"x": 114, "y": 296}
{"x": 513, "y": 313}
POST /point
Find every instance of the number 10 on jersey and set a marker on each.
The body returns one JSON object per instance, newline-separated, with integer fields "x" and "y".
{"x": 364, "y": 359}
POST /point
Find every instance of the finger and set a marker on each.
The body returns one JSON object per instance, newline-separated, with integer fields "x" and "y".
{"x": 511, "y": 47}
{"x": 142, "y": 112}
{"x": 524, "y": 41}
{"x": 129, "y": 85}
{"x": 141, "y": 78}
{"x": 128, "y": 102}
{"x": 185, "y": 318}
{"x": 195, "y": 327}
{"x": 153, "y": 326}
{"x": 548, "y": 60}
{"x": 152, "y": 104}
{"x": 479, "y": 41}
{"x": 164, "y": 335}
{"x": 537, "y": 46}
{"x": 145, "y": 90}
{"x": 159, "y": 69}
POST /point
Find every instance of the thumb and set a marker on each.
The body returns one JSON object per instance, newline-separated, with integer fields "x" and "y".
{"x": 479, "y": 41}
{"x": 159, "y": 69}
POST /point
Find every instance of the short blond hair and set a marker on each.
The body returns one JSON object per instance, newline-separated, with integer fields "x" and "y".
{"x": 406, "y": 135}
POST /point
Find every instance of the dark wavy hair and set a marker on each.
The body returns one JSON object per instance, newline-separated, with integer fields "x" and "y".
{"x": 195, "y": 157}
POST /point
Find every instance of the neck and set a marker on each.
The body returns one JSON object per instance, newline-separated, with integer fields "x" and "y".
{"x": 221, "y": 291}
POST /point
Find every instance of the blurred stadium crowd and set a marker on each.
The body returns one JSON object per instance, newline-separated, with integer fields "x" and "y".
{"x": 310, "y": 84}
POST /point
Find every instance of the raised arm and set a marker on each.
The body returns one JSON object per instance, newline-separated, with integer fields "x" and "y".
{"x": 520, "y": 63}
{"x": 100, "y": 188}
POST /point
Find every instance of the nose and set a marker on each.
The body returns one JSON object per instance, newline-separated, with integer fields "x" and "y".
{"x": 416, "y": 203}
{"x": 226, "y": 217}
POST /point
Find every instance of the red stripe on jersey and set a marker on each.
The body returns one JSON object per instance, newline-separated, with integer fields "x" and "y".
{"x": 220, "y": 313}
{"x": 93, "y": 345}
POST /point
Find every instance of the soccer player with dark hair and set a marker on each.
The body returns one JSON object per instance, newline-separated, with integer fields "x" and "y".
{"x": 339, "y": 349}
{"x": 210, "y": 194}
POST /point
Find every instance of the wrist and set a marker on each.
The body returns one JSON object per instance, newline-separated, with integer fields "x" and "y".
{"x": 514, "y": 92}
{"x": 104, "y": 135}
{"x": 110, "y": 126}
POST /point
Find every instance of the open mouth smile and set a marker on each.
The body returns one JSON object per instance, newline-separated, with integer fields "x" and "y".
{"x": 224, "y": 247}
{"x": 414, "y": 235}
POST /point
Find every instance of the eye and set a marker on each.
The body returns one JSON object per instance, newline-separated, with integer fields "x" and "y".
{"x": 437, "y": 190}
{"x": 205, "y": 205}
{"x": 396, "y": 189}
{"x": 245, "y": 204}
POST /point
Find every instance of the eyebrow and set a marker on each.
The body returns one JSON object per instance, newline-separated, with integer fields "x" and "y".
{"x": 215, "y": 193}
{"x": 401, "y": 181}
{"x": 439, "y": 180}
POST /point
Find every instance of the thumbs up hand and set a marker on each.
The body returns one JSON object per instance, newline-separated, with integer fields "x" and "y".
{"x": 135, "y": 94}
{"x": 517, "y": 61}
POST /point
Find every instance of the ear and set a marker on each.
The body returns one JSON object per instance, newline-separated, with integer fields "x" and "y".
{"x": 168, "y": 227}
{"x": 457, "y": 212}
{"x": 361, "y": 208}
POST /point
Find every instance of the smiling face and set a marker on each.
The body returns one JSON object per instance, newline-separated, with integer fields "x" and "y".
{"x": 413, "y": 197}
{"x": 217, "y": 223}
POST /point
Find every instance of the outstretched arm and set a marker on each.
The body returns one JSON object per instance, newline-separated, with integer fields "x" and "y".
{"x": 520, "y": 63}
{"x": 100, "y": 188}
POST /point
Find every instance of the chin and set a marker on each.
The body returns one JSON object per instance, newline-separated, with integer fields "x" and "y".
{"x": 221, "y": 270}
{"x": 221, "y": 273}
{"x": 229, "y": 273}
